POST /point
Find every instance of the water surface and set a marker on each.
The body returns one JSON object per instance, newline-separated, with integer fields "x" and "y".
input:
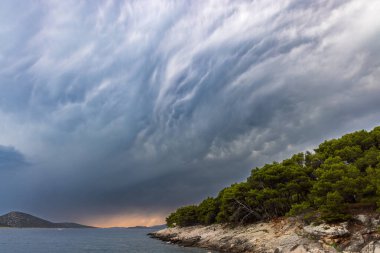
{"x": 37, "y": 240}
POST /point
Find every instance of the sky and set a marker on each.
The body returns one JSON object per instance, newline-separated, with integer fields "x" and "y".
{"x": 115, "y": 113}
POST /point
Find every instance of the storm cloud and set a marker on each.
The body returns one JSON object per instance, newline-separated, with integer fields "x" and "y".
{"x": 137, "y": 107}
{"x": 11, "y": 159}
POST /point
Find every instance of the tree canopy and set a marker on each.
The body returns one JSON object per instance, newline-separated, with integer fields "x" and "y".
{"x": 330, "y": 181}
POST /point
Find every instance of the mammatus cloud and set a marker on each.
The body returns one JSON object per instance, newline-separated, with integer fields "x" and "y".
{"x": 136, "y": 107}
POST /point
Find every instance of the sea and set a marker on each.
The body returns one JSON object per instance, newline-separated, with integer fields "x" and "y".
{"x": 115, "y": 240}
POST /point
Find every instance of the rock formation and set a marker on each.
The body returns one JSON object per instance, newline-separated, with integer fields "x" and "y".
{"x": 285, "y": 235}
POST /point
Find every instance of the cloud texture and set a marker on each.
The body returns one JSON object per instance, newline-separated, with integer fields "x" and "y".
{"x": 125, "y": 107}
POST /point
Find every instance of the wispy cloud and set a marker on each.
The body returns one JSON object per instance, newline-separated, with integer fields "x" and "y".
{"x": 124, "y": 105}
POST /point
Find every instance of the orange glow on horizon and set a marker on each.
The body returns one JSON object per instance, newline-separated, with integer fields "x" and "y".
{"x": 125, "y": 220}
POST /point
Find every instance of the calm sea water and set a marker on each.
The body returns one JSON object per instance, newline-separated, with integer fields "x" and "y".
{"x": 84, "y": 240}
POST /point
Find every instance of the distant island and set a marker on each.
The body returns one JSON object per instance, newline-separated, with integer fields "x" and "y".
{"x": 141, "y": 227}
{"x": 24, "y": 220}
{"x": 148, "y": 227}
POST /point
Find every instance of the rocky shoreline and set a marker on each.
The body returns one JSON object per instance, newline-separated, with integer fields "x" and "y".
{"x": 282, "y": 235}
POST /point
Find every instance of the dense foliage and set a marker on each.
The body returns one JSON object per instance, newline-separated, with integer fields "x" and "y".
{"x": 340, "y": 176}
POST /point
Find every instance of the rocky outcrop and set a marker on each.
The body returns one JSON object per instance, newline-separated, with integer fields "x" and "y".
{"x": 372, "y": 247}
{"x": 325, "y": 230}
{"x": 286, "y": 235}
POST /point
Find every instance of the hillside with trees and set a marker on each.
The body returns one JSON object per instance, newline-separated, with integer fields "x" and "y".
{"x": 338, "y": 179}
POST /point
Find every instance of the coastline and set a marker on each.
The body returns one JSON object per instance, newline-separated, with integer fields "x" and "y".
{"x": 283, "y": 235}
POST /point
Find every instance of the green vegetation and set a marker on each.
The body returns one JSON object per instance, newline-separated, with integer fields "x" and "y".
{"x": 326, "y": 185}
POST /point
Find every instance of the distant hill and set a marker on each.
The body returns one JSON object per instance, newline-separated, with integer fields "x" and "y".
{"x": 151, "y": 227}
{"x": 24, "y": 220}
{"x": 157, "y": 227}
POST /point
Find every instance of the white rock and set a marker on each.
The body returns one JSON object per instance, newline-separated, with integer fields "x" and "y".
{"x": 362, "y": 218}
{"x": 372, "y": 247}
{"x": 375, "y": 222}
{"x": 356, "y": 242}
{"x": 299, "y": 249}
{"x": 278, "y": 250}
{"x": 377, "y": 247}
{"x": 327, "y": 230}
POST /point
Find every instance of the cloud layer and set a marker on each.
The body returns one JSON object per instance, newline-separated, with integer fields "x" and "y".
{"x": 10, "y": 158}
{"x": 140, "y": 106}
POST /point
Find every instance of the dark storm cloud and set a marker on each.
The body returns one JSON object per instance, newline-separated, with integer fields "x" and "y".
{"x": 10, "y": 159}
{"x": 147, "y": 105}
